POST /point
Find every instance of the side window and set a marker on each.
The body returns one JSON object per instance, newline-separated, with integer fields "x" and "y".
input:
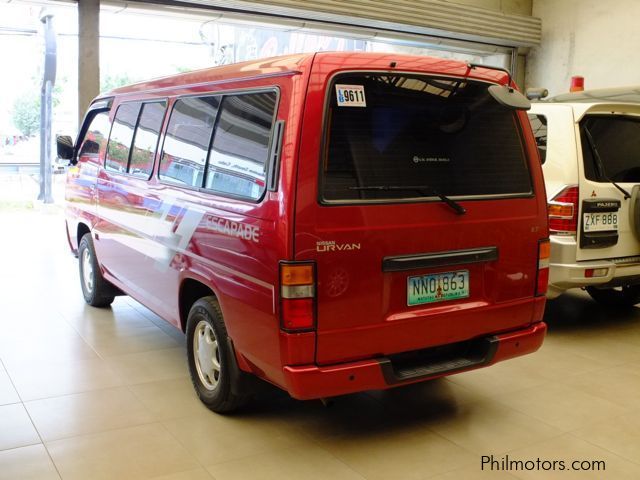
{"x": 146, "y": 138}
{"x": 186, "y": 143}
{"x": 121, "y": 137}
{"x": 539, "y": 127}
{"x": 95, "y": 138}
{"x": 240, "y": 149}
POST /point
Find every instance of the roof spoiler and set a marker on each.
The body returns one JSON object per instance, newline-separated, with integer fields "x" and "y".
{"x": 505, "y": 95}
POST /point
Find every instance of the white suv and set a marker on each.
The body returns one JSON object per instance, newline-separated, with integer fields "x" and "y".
{"x": 589, "y": 144}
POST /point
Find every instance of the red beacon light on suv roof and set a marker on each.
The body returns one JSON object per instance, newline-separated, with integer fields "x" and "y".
{"x": 577, "y": 84}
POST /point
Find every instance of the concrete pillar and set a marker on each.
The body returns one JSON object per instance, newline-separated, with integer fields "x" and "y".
{"x": 88, "y": 54}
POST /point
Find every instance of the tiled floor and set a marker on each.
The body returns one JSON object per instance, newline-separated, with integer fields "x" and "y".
{"x": 104, "y": 394}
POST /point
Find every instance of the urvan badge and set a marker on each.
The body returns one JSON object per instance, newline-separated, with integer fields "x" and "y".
{"x": 350, "y": 96}
{"x": 332, "y": 246}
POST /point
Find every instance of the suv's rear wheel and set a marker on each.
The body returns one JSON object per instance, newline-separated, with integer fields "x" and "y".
{"x": 97, "y": 291}
{"x": 211, "y": 358}
{"x": 619, "y": 297}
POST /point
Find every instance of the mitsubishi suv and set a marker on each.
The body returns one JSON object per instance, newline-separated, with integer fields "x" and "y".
{"x": 589, "y": 143}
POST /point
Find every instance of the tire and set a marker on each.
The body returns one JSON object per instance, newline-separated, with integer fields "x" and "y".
{"x": 621, "y": 297}
{"x": 97, "y": 291}
{"x": 211, "y": 358}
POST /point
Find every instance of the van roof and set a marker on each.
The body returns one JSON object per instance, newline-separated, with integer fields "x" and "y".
{"x": 298, "y": 63}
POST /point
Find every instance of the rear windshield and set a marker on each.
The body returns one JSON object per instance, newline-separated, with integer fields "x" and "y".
{"x": 416, "y": 131}
{"x": 611, "y": 148}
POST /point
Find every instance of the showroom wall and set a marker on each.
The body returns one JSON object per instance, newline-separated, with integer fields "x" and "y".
{"x": 595, "y": 39}
{"x": 509, "y": 7}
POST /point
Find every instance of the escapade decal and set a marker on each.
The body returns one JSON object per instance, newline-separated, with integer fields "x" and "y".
{"x": 233, "y": 229}
{"x": 175, "y": 234}
{"x": 350, "y": 96}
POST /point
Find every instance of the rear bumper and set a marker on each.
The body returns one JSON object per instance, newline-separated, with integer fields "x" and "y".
{"x": 312, "y": 381}
{"x": 565, "y": 272}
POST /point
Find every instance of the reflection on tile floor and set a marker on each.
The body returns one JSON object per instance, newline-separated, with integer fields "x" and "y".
{"x": 104, "y": 394}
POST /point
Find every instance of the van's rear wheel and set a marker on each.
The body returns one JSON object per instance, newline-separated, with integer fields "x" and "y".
{"x": 625, "y": 296}
{"x": 211, "y": 357}
{"x": 97, "y": 291}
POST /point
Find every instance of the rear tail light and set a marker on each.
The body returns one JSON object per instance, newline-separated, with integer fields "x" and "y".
{"x": 544, "y": 253}
{"x": 297, "y": 296}
{"x": 563, "y": 211}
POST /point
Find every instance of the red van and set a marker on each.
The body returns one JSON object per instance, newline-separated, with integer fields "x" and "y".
{"x": 329, "y": 223}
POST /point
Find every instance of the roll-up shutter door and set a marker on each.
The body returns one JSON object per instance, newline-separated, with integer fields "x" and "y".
{"x": 427, "y": 17}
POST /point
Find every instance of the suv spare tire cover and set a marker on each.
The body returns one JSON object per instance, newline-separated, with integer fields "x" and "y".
{"x": 634, "y": 211}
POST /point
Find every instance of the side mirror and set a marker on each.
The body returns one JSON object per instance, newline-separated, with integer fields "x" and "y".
{"x": 64, "y": 145}
{"x": 509, "y": 97}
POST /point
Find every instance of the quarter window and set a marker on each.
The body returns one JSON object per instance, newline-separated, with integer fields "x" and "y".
{"x": 96, "y": 137}
{"x": 187, "y": 140}
{"x": 240, "y": 149}
{"x": 539, "y": 127}
{"x": 121, "y": 137}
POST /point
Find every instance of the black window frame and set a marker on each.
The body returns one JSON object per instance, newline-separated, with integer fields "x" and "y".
{"x": 545, "y": 123}
{"x": 87, "y": 122}
{"x": 270, "y": 161}
{"x": 127, "y": 173}
{"x": 330, "y": 91}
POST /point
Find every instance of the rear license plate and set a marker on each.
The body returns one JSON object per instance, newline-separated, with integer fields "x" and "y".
{"x": 600, "y": 222}
{"x": 437, "y": 287}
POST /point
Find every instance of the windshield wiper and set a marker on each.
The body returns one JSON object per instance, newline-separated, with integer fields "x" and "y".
{"x": 599, "y": 163}
{"x": 459, "y": 209}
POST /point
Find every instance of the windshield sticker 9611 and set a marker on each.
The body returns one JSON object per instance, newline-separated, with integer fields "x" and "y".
{"x": 350, "y": 96}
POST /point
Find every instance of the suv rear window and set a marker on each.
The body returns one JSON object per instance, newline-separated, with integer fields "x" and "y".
{"x": 616, "y": 140}
{"x": 410, "y": 131}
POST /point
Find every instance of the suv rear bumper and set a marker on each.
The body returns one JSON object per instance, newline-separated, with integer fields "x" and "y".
{"x": 565, "y": 272}
{"x": 311, "y": 381}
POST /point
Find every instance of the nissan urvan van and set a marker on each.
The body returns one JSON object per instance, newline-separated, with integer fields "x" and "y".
{"x": 589, "y": 142}
{"x": 329, "y": 223}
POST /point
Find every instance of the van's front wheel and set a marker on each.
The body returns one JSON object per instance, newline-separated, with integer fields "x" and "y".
{"x": 211, "y": 357}
{"x": 96, "y": 291}
{"x": 625, "y": 296}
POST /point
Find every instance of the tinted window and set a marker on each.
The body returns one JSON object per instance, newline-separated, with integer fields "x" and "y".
{"x": 238, "y": 157}
{"x": 617, "y": 143}
{"x": 121, "y": 137}
{"x": 146, "y": 138}
{"x": 539, "y": 127}
{"x": 96, "y": 137}
{"x": 186, "y": 143}
{"x": 406, "y": 131}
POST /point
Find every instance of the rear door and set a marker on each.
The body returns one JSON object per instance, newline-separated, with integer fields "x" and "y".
{"x": 399, "y": 267}
{"x": 608, "y": 149}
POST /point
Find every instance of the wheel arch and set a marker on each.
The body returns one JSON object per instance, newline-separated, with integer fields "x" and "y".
{"x": 191, "y": 290}
{"x": 81, "y": 231}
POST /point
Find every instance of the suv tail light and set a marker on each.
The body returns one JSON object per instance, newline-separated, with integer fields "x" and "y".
{"x": 297, "y": 295}
{"x": 563, "y": 211}
{"x": 544, "y": 253}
